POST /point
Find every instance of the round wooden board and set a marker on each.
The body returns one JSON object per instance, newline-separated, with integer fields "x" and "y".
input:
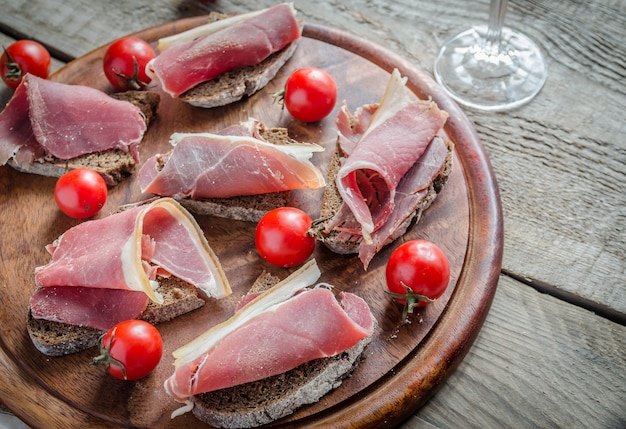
{"x": 403, "y": 365}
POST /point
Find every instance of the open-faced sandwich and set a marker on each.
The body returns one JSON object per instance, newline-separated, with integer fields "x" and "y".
{"x": 240, "y": 172}
{"x": 48, "y": 128}
{"x": 227, "y": 59}
{"x": 392, "y": 159}
{"x": 283, "y": 348}
{"x": 147, "y": 261}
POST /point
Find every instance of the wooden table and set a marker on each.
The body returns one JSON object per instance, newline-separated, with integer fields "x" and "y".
{"x": 552, "y": 351}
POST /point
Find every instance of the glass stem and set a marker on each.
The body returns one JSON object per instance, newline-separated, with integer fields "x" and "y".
{"x": 497, "y": 11}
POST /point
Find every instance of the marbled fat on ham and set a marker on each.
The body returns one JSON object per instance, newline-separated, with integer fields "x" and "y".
{"x": 397, "y": 135}
{"x": 262, "y": 340}
{"x": 219, "y": 166}
{"x": 120, "y": 252}
{"x": 181, "y": 67}
{"x": 52, "y": 119}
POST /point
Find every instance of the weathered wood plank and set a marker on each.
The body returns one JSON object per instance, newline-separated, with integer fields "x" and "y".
{"x": 560, "y": 161}
{"x": 537, "y": 362}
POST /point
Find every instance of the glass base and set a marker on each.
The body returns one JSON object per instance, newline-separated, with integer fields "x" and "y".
{"x": 490, "y": 76}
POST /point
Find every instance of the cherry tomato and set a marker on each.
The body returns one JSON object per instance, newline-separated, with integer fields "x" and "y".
{"x": 310, "y": 94}
{"x": 80, "y": 193}
{"x": 281, "y": 237}
{"x": 125, "y": 62}
{"x": 417, "y": 273}
{"x": 130, "y": 350}
{"x": 21, "y": 57}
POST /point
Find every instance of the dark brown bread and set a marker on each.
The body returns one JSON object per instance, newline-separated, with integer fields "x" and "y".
{"x": 249, "y": 208}
{"x": 58, "y": 339}
{"x": 239, "y": 83}
{"x": 113, "y": 165}
{"x": 264, "y": 401}
{"x": 332, "y": 201}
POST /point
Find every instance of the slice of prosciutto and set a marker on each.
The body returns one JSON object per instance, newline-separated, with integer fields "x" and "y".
{"x": 397, "y": 135}
{"x": 124, "y": 251}
{"x": 180, "y": 67}
{"x": 51, "y": 119}
{"x": 234, "y": 162}
{"x": 279, "y": 330}
{"x": 84, "y": 306}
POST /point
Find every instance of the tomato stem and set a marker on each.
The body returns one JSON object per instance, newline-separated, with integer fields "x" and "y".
{"x": 105, "y": 357}
{"x": 14, "y": 70}
{"x": 131, "y": 82}
{"x": 411, "y": 298}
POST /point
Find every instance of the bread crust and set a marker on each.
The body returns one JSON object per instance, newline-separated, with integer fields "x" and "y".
{"x": 249, "y": 208}
{"x": 265, "y": 401}
{"x": 114, "y": 165}
{"x": 332, "y": 201}
{"x": 59, "y": 339}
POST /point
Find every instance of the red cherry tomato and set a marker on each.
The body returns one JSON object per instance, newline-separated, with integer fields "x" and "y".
{"x": 281, "y": 237}
{"x": 417, "y": 273}
{"x": 310, "y": 94}
{"x": 125, "y": 62}
{"x": 130, "y": 350}
{"x": 80, "y": 193}
{"x": 21, "y": 57}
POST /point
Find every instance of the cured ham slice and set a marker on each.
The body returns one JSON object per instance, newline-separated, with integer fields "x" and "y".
{"x": 209, "y": 165}
{"x": 279, "y": 330}
{"x": 82, "y": 306}
{"x": 125, "y": 250}
{"x": 244, "y": 43}
{"x": 398, "y": 134}
{"x": 52, "y": 119}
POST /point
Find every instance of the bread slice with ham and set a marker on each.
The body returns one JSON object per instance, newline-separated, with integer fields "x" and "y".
{"x": 228, "y": 58}
{"x": 48, "y": 128}
{"x": 240, "y": 172}
{"x": 148, "y": 261}
{"x": 391, "y": 161}
{"x": 283, "y": 348}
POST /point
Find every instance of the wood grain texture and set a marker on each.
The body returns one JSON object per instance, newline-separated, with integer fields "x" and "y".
{"x": 567, "y": 144}
{"x": 537, "y": 363}
{"x": 561, "y": 171}
{"x": 397, "y": 375}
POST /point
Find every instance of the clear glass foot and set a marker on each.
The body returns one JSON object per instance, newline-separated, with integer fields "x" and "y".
{"x": 490, "y": 75}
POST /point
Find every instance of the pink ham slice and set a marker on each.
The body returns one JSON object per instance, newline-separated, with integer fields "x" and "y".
{"x": 220, "y": 166}
{"x": 306, "y": 325}
{"x": 66, "y": 121}
{"x": 89, "y": 307}
{"x": 397, "y": 136}
{"x": 116, "y": 252}
{"x": 247, "y": 43}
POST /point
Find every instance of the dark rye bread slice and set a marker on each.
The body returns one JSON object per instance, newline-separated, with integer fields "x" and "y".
{"x": 249, "y": 208}
{"x": 332, "y": 201}
{"x": 59, "y": 339}
{"x": 113, "y": 165}
{"x": 264, "y": 401}
{"x": 238, "y": 83}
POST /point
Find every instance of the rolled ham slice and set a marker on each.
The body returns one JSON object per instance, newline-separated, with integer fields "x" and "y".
{"x": 235, "y": 162}
{"x": 396, "y": 136}
{"x": 125, "y": 250}
{"x": 244, "y": 43}
{"x": 279, "y": 330}
{"x": 52, "y": 119}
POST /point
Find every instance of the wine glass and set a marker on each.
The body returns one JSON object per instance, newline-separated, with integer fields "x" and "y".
{"x": 491, "y": 67}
